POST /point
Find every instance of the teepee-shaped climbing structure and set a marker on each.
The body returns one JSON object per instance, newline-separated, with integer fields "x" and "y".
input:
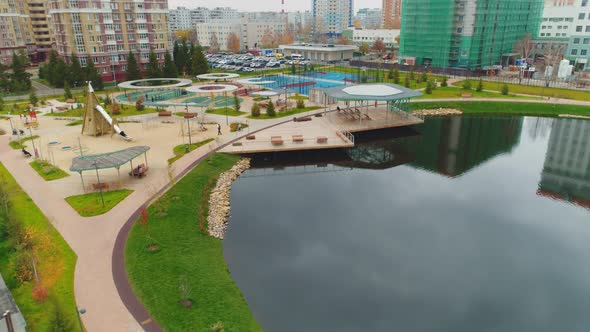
{"x": 95, "y": 123}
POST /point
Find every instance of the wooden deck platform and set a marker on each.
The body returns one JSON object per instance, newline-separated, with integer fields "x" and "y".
{"x": 331, "y": 131}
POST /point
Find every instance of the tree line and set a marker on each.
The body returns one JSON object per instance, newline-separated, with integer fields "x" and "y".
{"x": 65, "y": 75}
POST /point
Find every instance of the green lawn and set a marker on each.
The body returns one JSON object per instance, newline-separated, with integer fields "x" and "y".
{"x": 222, "y": 111}
{"x": 75, "y": 123}
{"x": 530, "y": 109}
{"x": 452, "y": 92}
{"x": 180, "y": 150}
{"x": 47, "y": 171}
{"x": 186, "y": 256}
{"x": 126, "y": 110}
{"x": 17, "y": 145}
{"x": 299, "y": 97}
{"x": 532, "y": 90}
{"x": 56, "y": 260}
{"x": 90, "y": 205}
{"x": 290, "y": 112}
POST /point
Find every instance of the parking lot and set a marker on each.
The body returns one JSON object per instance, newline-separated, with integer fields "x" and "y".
{"x": 247, "y": 63}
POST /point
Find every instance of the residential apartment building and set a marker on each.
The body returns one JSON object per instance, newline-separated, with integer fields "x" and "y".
{"x": 106, "y": 30}
{"x": 331, "y": 17}
{"x": 392, "y": 14}
{"x": 16, "y": 33}
{"x": 369, "y": 18}
{"x": 41, "y": 28}
{"x": 568, "y": 23}
{"x": 250, "y": 32}
{"x": 183, "y": 18}
{"x": 370, "y": 36}
{"x": 465, "y": 34}
{"x": 300, "y": 21}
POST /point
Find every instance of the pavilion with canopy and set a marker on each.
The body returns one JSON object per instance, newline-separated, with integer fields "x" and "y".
{"x": 109, "y": 160}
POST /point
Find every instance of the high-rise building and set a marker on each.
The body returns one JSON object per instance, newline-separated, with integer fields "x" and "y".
{"x": 15, "y": 31}
{"x": 106, "y": 30}
{"x": 369, "y": 18}
{"x": 41, "y": 29}
{"x": 392, "y": 14}
{"x": 331, "y": 17}
{"x": 465, "y": 34}
{"x": 183, "y": 18}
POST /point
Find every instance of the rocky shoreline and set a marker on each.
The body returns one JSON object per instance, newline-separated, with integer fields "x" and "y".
{"x": 219, "y": 200}
{"x": 438, "y": 112}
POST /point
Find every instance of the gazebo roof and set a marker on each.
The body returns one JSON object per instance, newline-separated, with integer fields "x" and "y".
{"x": 107, "y": 160}
{"x": 372, "y": 92}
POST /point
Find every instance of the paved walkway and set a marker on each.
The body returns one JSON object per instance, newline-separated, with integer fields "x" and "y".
{"x": 93, "y": 239}
{"x": 555, "y": 101}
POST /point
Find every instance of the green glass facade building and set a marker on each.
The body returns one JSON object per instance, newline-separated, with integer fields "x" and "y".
{"x": 470, "y": 34}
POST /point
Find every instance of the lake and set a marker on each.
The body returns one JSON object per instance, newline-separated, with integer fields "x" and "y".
{"x": 460, "y": 224}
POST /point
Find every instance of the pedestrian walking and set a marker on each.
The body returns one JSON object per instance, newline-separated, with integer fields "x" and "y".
{"x": 218, "y": 129}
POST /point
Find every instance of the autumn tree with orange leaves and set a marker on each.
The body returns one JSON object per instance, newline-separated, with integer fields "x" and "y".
{"x": 233, "y": 42}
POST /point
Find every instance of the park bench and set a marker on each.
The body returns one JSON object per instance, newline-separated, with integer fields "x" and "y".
{"x": 276, "y": 140}
{"x": 140, "y": 171}
{"x": 251, "y": 137}
{"x": 297, "y": 138}
{"x": 164, "y": 113}
{"x": 322, "y": 139}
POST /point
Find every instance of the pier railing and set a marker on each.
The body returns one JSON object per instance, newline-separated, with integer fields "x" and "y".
{"x": 348, "y": 135}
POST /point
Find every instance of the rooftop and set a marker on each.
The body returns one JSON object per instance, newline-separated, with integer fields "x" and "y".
{"x": 107, "y": 160}
{"x": 320, "y": 47}
{"x": 372, "y": 92}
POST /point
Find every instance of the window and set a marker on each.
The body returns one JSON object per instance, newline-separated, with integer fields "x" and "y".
{"x": 574, "y": 52}
{"x": 583, "y": 52}
{"x": 588, "y": 28}
{"x": 586, "y": 41}
{"x": 576, "y": 40}
{"x": 581, "y": 16}
{"x": 579, "y": 28}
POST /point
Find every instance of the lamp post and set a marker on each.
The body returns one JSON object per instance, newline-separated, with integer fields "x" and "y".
{"x": 99, "y": 184}
{"x": 33, "y": 141}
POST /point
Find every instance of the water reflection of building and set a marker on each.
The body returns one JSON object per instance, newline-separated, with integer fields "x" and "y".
{"x": 566, "y": 172}
{"x": 453, "y": 146}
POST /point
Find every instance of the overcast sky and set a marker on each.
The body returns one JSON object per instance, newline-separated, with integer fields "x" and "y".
{"x": 263, "y": 5}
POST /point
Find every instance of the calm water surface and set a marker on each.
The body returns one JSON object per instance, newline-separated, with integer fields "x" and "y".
{"x": 463, "y": 225}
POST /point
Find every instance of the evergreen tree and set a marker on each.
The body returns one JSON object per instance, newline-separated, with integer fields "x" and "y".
{"x": 505, "y": 90}
{"x": 60, "y": 321}
{"x": 188, "y": 66}
{"x": 270, "y": 109}
{"x": 180, "y": 58}
{"x": 59, "y": 73}
{"x": 236, "y": 102}
{"x": 479, "y": 87}
{"x": 175, "y": 54}
{"x": 49, "y": 70}
{"x": 396, "y": 76}
{"x": 76, "y": 75}
{"x": 33, "y": 97}
{"x": 133, "y": 72}
{"x": 170, "y": 70}
{"x": 94, "y": 76}
{"x": 444, "y": 83}
{"x": 20, "y": 80}
{"x": 67, "y": 91}
{"x": 199, "y": 62}
{"x": 390, "y": 73}
{"x": 407, "y": 81}
{"x": 153, "y": 67}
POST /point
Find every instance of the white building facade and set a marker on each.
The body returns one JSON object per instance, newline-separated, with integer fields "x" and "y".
{"x": 369, "y": 36}
{"x": 331, "y": 17}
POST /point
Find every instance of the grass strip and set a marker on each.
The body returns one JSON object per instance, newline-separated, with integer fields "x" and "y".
{"x": 531, "y": 90}
{"x": 170, "y": 258}
{"x": 180, "y": 150}
{"x": 90, "y": 205}
{"x": 290, "y": 112}
{"x": 56, "y": 261}
{"x": 19, "y": 144}
{"x": 513, "y": 108}
{"x": 48, "y": 171}
{"x": 222, "y": 111}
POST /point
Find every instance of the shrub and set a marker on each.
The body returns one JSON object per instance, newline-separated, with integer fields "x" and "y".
{"x": 467, "y": 85}
{"x": 412, "y": 73}
{"x": 270, "y": 109}
{"x": 390, "y": 73}
{"x": 39, "y": 294}
{"x": 255, "y": 110}
{"x": 23, "y": 269}
{"x": 236, "y": 102}
{"x": 60, "y": 320}
{"x": 505, "y": 89}
{"x": 364, "y": 79}
{"x": 407, "y": 81}
{"x": 428, "y": 89}
{"x": 300, "y": 104}
{"x": 67, "y": 91}
{"x": 479, "y": 87}
{"x": 115, "y": 109}
{"x": 217, "y": 327}
{"x": 2, "y": 132}
{"x": 396, "y": 76}
{"x": 444, "y": 82}
{"x": 424, "y": 77}
{"x": 139, "y": 104}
